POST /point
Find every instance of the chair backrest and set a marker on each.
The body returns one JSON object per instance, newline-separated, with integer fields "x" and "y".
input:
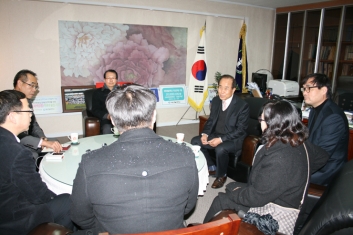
{"x": 345, "y": 101}
{"x": 226, "y": 226}
{"x": 334, "y": 210}
{"x": 255, "y": 105}
{"x": 88, "y": 98}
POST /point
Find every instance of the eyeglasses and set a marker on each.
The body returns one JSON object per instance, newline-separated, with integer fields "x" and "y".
{"x": 23, "y": 111}
{"x": 307, "y": 89}
{"x": 32, "y": 85}
{"x": 260, "y": 120}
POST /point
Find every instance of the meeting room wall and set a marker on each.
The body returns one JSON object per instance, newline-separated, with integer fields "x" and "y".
{"x": 29, "y": 39}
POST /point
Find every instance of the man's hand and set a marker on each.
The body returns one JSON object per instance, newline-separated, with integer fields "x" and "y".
{"x": 108, "y": 116}
{"x": 215, "y": 142}
{"x": 55, "y": 145}
{"x": 204, "y": 139}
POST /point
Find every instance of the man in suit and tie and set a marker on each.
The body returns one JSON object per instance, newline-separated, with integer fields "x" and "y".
{"x": 26, "y": 82}
{"x": 225, "y": 129}
{"x": 25, "y": 201}
{"x": 328, "y": 125}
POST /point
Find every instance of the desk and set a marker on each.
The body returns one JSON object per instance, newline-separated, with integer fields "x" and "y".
{"x": 59, "y": 176}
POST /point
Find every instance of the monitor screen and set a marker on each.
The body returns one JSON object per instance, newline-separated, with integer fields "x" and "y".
{"x": 261, "y": 80}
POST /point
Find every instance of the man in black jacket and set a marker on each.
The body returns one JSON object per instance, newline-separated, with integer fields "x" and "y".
{"x": 34, "y": 138}
{"x": 25, "y": 201}
{"x": 99, "y": 109}
{"x": 225, "y": 129}
{"x": 328, "y": 126}
{"x": 141, "y": 182}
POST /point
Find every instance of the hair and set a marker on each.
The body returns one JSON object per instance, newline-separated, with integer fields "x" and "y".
{"x": 320, "y": 80}
{"x": 111, "y": 71}
{"x": 10, "y": 100}
{"x": 22, "y": 75}
{"x": 234, "y": 84}
{"x": 284, "y": 124}
{"x": 131, "y": 106}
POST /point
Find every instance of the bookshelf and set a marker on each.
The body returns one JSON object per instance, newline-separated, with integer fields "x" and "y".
{"x": 318, "y": 40}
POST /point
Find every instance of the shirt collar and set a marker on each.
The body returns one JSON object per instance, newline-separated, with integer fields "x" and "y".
{"x": 18, "y": 140}
{"x": 229, "y": 100}
{"x": 106, "y": 88}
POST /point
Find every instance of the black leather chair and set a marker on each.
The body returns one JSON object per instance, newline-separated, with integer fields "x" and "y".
{"x": 333, "y": 213}
{"x": 239, "y": 167}
{"x": 90, "y": 124}
{"x": 345, "y": 101}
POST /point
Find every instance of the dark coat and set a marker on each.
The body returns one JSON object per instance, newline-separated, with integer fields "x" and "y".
{"x": 278, "y": 175}
{"x": 139, "y": 183}
{"x": 330, "y": 132}
{"x": 31, "y": 138}
{"x": 236, "y": 121}
{"x": 22, "y": 191}
{"x": 99, "y": 108}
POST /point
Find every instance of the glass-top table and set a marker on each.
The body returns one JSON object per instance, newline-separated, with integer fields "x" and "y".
{"x": 59, "y": 175}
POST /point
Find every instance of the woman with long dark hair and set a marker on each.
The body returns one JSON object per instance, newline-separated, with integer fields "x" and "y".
{"x": 280, "y": 168}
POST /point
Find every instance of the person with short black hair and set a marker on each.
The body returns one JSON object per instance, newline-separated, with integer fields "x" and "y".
{"x": 141, "y": 182}
{"x": 34, "y": 138}
{"x": 280, "y": 169}
{"x": 328, "y": 125}
{"x": 25, "y": 201}
{"x": 225, "y": 129}
{"x": 99, "y": 109}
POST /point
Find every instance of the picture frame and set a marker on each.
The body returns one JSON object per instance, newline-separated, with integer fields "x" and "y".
{"x": 73, "y": 99}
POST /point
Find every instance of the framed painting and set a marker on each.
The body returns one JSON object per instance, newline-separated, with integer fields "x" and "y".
{"x": 73, "y": 99}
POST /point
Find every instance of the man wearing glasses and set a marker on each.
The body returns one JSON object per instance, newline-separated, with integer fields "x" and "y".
{"x": 26, "y": 82}
{"x": 25, "y": 201}
{"x": 99, "y": 109}
{"x": 328, "y": 125}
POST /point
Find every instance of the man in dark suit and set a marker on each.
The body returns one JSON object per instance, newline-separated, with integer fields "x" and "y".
{"x": 99, "y": 109}
{"x": 224, "y": 130}
{"x": 141, "y": 182}
{"x": 25, "y": 201}
{"x": 328, "y": 126}
{"x": 34, "y": 138}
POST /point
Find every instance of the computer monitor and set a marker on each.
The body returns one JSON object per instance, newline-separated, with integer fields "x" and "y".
{"x": 261, "y": 80}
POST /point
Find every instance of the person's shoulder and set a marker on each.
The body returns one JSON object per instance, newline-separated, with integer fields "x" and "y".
{"x": 332, "y": 110}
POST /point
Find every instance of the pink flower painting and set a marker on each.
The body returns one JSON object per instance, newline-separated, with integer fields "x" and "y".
{"x": 146, "y": 55}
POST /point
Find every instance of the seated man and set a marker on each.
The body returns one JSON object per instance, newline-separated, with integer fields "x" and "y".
{"x": 99, "y": 109}
{"x": 26, "y": 82}
{"x": 225, "y": 129}
{"x": 328, "y": 126}
{"x": 25, "y": 201}
{"x": 141, "y": 182}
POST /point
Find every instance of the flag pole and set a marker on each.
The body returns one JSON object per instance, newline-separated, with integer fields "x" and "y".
{"x": 182, "y": 117}
{"x": 198, "y": 83}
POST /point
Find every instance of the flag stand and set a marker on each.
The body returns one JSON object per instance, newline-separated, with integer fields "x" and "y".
{"x": 189, "y": 118}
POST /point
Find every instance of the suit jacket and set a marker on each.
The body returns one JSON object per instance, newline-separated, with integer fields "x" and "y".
{"x": 236, "y": 121}
{"x": 330, "y": 132}
{"x": 99, "y": 108}
{"x": 140, "y": 183}
{"x": 279, "y": 175}
{"x": 22, "y": 191}
{"x": 31, "y": 138}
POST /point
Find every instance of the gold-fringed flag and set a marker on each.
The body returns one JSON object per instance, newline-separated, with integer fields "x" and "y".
{"x": 197, "y": 91}
{"x": 241, "y": 72}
